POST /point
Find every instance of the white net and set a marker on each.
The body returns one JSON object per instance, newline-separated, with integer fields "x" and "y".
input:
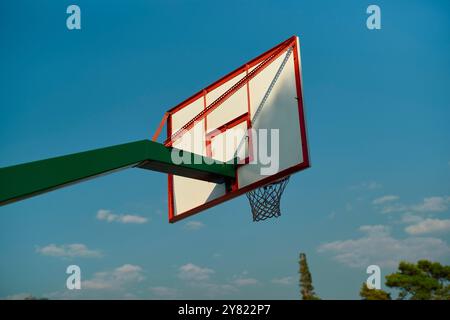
{"x": 265, "y": 201}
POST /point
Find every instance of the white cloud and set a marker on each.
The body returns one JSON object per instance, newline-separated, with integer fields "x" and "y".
{"x": 432, "y": 204}
{"x": 429, "y": 226}
{"x": 19, "y": 296}
{"x": 165, "y": 292}
{"x": 241, "y": 282}
{"x": 411, "y": 218}
{"x": 117, "y": 279}
{"x": 68, "y": 251}
{"x": 127, "y": 270}
{"x": 394, "y": 208}
{"x": 191, "y": 272}
{"x": 377, "y": 246}
{"x": 384, "y": 199}
{"x": 199, "y": 278}
{"x": 129, "y": 218}
{"x": 285, "y": 280}
{"x": 375, "y": 230}
{"x": 96, "y": 284}
{"x": 193, "y": 225}
{"x": 373, "y": 185}
{"x": 428, "y": 205}
{"x": 108, "y": 216}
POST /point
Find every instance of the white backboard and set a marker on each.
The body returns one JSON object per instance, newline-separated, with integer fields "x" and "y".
{"x": 265, "y": 93}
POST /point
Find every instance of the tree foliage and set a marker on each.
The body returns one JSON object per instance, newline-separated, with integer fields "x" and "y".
{"x": 373, "y": 294}
{"x": 424, "y": 280}
{"x": 306, "y": 286}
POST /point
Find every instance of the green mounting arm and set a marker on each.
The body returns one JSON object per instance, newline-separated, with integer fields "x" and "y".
{"x": 30, "y": 179}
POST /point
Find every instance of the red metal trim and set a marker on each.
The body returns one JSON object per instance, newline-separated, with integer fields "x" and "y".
{"x": 230, "y": 124}
{"x": 249, "y": 144}
{"x": 170, "y": 198}
{"x": 248, "y": 96}
{"x": 161, "y": 125}
{"x": 249, "y": 125}
{"x": 206, "y": 126}
{"x": 301, "y": 112}
{"x": 230, "y": 75}
{"x": 208, "y": 148}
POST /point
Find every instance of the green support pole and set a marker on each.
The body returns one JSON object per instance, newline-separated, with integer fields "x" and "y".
{"x": 30, "y": 179}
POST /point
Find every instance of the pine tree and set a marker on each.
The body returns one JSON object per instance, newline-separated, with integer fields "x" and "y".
{"x": 306, "y": 287}
{"x": 373, "y": 294}
{"x": 424, "y": 280}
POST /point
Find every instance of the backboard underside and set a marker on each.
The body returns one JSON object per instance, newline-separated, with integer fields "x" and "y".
{"x": 269, "y": 85}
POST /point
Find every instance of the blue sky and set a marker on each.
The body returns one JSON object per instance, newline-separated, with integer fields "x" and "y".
{"x": 378, "y": 109}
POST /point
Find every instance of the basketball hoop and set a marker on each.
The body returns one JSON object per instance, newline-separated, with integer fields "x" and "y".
{"x": 265, "y": 201}
{"x": 224, "y": 121}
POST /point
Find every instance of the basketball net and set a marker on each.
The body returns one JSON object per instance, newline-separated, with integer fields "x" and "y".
{"x": 265, "y": 201}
